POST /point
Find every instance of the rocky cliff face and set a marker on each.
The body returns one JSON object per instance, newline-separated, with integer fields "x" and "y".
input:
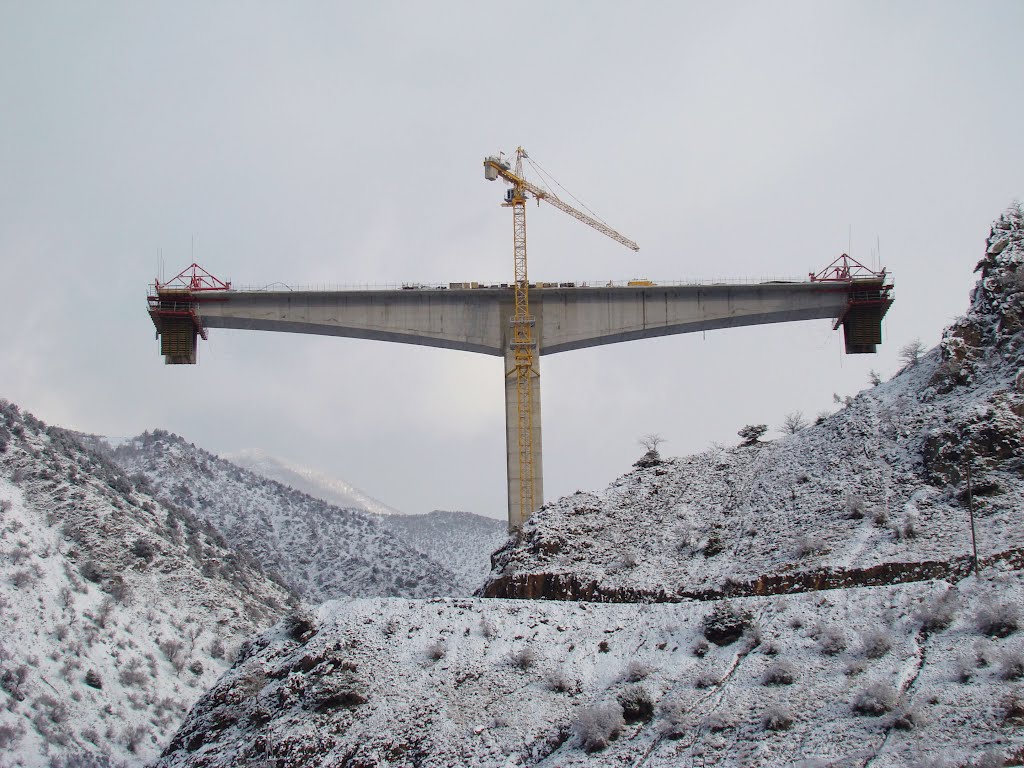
{"x": 879, "y": 486}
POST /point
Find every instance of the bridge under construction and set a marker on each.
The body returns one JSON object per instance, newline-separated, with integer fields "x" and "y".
{"x": 483, "y": 319}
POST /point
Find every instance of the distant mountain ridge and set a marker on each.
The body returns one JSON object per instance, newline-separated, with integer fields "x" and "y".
{"x": 317, "y": 484}
{"x": 460, "y": 541}
{"x": 320, "y": 550}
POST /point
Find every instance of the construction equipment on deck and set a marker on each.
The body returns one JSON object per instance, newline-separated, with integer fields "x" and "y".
{"x": 172, "y": 308}
{"x": 870, "y": 296}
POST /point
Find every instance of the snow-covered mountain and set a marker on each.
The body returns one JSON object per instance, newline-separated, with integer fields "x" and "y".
{"x": 317, "y": 484}
{"x": 875, "y": 493}
{"x": 461, "y": 540}
{"x": 808, "y": 602}
{"x": 116, "y": 610}
{"x": 320, "y": 550}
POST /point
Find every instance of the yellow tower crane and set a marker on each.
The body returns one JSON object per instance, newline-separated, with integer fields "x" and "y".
{"x": 523, "y": 342}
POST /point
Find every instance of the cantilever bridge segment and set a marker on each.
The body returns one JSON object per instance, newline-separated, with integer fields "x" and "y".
{"x": 474, "y": 318}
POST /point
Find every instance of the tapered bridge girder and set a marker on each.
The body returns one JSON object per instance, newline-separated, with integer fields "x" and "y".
{"x": 479, "y": 320}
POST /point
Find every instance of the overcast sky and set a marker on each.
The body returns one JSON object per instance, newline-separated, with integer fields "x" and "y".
{"x": 342, "y": 143}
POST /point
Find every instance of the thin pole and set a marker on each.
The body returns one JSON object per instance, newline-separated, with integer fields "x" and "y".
{"x": 970, "y": 507}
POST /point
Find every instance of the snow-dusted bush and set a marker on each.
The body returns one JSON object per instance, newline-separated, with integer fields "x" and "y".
{"x": 488, "y": 629}
{"x": 524, "y": 658}
{"x": 875, "y": 643}
{"x": 939, "y": 613}
{"x": 831, "y": 641}
{"x": 807, "y": 545}
{"x": 856, "y": 507}
{"x": 300, "y": 625}
{"x": 706, "y": 680}
{"x": 10, "y": 735}
{"x": 777, "y": 718}
{"x": 998, "y": 619}
{"x": 779, "y": 673}
{"x": 559, "y": 682}
{"x": 637, "y": 704}
{"x": 992, "y": 758}
{"x": 1011, "y": 665}
{"x": 752, "y": 433}
{"x": 636, "y": 671}
{"x": 875, "y": 699}
{"x": 1013, "y": 708}
{"x": 725, "y": 624}
{"x": 905, "y": 719}
{"x": 598, "y": 725}
{"x": 436, "y": 651}
{"x": 700, "y": 647}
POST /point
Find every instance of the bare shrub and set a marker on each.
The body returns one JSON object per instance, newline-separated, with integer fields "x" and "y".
{"x": 725, "y": 624}
{"x": 856, "y": 507}
{"x": 808, "y": 545}
{"x": 217, "y": 650}
{"x": 779, "y": 673}
{"x": 939, "y": 613}
{"x": 706, "y": 680}
{"x": 10, "y": 735}
{"x": 488, "y": 629}
{"x": 132, "y": 674}
{"x": 300, "y": 625}
{"x": 598, "y": 725}
{"x": 637, "y": 704}
{"x": 777, "y": 718}
{"x": 1013, "y": 708}
{"x": 700, "y": 647}
{"x": 22, "y": 578}
{"x": 524, "y": 658}
{"x": 436, "y": 651}
{"x": 560, "y": 683}
{"x": 174, "y": 650}
{"x": 910, "y": 353}
{"x": 793, "y": 422}
{"x": 1011, "y": 665}
{"x": 636, "y": 671}
{"x": 875, "y": 643}
{"x": 998, "y": 619}
{"x": 875, "y": 699}
{"x": 831, "y": 641}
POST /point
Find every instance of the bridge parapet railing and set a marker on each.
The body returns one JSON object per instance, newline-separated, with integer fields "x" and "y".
{"x": 538, "y": 285}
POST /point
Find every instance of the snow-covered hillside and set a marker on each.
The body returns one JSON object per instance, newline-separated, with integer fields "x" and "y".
{"x": 317, "y": 484}
{"x": 876, "y": 487}
{"x": 886, "y": 676}
{"x": 461, "y": 540}
{"x": 116, "y": 611}
{"x": 320, "y": 550}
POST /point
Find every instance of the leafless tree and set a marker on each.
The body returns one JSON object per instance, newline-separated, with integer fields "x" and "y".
{"x": 910, "y": 353}
{"x": 651, "y": 441}
{"x": 874, "y": 377}
{"x": 793, "y": 423}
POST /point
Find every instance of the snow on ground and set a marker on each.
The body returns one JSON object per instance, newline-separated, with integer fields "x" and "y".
{"x": 845, "y": 677}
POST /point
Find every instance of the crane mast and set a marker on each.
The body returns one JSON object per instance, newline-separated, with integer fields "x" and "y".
{"x": 523, "y": 343}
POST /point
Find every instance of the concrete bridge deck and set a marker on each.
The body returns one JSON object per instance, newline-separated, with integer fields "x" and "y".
{"x": 479, "y": 320}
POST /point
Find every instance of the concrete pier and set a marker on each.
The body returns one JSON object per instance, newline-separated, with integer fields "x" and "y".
{"x": 568, "y": 318}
